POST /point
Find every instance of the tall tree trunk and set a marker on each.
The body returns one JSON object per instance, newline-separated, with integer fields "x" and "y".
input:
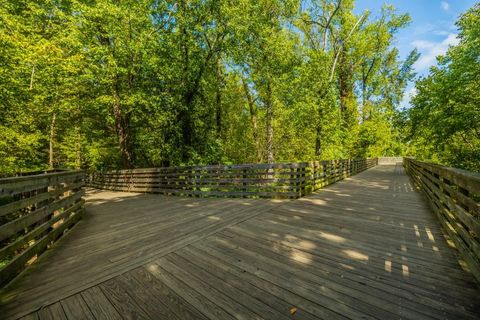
{"x": 345, "y": 82}
{"x": 218, "y": 98}
{"x": 218, "y": 113}
{"x": 122, "y": 128}
{"x": 253, "y": 120}
{"x": 322, "y": 94}
{"x": 269, "y": 124}
{"x": 347, "y": 100}
{"x": 51, "y": 156}
{"x": 184, "y": 116}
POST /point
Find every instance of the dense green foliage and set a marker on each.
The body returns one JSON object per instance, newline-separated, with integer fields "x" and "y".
{"x": 140, "y": 83}
{"x": 444, "y": 122}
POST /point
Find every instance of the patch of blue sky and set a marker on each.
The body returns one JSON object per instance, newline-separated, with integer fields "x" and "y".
{"x": 431, "y": 31}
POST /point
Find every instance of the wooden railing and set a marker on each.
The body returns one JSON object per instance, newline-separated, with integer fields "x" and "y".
{"x": 454, "y": 195}
{"x": 323, "y": 173}
{"x": 34, "y": 212}
{"x": 278, "y": 180}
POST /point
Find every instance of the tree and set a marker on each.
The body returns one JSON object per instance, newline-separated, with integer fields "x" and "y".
{"x": 444, "y": 121}
{"x": 121, "y": 84}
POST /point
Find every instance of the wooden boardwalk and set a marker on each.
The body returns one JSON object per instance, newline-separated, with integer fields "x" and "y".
{"x": 366, "y": 247}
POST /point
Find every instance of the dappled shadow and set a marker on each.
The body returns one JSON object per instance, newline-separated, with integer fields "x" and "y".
{"x": 365, "y": 247}
{"x": 376, "y": 251}
{"x": 121, "y": 231}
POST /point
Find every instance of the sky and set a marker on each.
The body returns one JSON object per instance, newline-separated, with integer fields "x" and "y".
{"x": 431, "y": 31}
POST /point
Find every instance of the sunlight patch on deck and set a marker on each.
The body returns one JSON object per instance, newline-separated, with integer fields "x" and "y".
{"x": 388, "y": 266}
{"x": 429, "y": 234}
{"x": 299, "y": 257}
{"x": 417, "y": 232}
{"x": 315, "y": 201}
{"x": 356, "y": 255}
{"x": 332, "y": 237}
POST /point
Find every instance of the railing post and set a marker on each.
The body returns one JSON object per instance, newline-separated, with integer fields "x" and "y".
{"x": 244, "y": 184}
{"x": 313, "y": 166}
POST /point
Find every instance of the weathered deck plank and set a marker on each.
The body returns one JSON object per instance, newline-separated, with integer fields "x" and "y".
{"x": 122, "y": 231}
{"x": 367, "y": 247}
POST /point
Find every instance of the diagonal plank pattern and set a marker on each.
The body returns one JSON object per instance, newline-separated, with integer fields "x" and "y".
{"x": 119, "y": 232}
{"x": 364, "y": 248}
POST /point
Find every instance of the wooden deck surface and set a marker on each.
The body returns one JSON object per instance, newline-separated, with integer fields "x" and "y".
{"x": 366, "y": 247}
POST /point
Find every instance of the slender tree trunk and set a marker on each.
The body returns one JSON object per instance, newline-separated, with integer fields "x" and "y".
{"x": 31, "y": 77}
{"x": 218, "y": 98}
{"x": 318, "y": 142}
{"x": 364, "y": 100}
{"x": 218, "y": 113}
{"x": 51, "y": 156}
{"x": 189, "y": 89}
{"x": 319, "y": 129}
{"x": 269, "y": 125}
{"x": 345, "y": 82}
{"x": 322, "y": 94}
{"x": 253, "y": 120}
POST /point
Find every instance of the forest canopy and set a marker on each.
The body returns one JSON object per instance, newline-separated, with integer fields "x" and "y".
{"x": 143, "y": 83}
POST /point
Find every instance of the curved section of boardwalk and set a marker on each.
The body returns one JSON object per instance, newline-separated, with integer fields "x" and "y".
{"x": 366, "y": 247}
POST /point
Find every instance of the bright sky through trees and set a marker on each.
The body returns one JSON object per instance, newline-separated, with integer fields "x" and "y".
{"x": 431, "y": 31}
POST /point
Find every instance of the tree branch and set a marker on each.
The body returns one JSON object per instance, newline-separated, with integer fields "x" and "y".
{"x": 332, "y": 72}
{"x": 327, "y": 25}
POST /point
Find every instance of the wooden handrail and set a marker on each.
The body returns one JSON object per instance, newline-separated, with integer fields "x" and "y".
{"x": 454, "y": 195}
{"x": 35, "y": 211}
{"x": 277, "y": 180}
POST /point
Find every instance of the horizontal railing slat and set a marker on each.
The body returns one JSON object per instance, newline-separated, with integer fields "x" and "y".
{"x": 12, "y": 227}
{"x": 9, "y": 249}
{"x": 277, "y": 180}
{"x": 13, "y": 188}
{"x": 35, "y": 210}
{"x": 18, "y": 263}
{"x": 454, "y": 196}
{"x": 23, "y": 203}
